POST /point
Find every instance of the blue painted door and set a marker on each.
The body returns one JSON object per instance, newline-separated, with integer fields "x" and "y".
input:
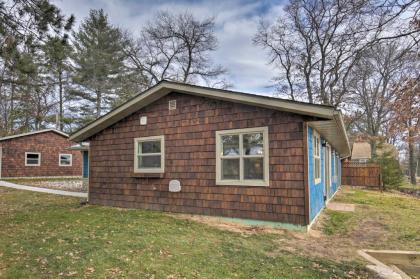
{"x": 85, "y": 170}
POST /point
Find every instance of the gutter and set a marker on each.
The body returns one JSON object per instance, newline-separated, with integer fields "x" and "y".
{"x": 340, "y": 123}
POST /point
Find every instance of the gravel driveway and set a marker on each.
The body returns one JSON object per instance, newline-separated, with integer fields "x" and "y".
{"x": 74, "y": 185}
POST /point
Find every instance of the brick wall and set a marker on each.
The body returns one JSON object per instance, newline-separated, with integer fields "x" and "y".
{"x": 190, "y": 157}
{"x": 50, "y": 145}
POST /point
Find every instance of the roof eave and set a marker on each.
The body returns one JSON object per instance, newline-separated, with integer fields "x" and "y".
{"x": 34, "y": 133}
{"x": 334, "y": 132}
{"x": 165, "y": 87}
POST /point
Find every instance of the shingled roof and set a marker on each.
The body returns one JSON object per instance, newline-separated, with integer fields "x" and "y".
{"x": 34, "y": 133}
{"x": 330, "y": 123}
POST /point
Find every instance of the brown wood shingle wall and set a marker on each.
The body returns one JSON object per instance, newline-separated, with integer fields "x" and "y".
{"x": 190, "y": 157}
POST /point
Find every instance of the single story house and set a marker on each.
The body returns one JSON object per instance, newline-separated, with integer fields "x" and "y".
{"x": 43, "y": 153}
{"x": 192, "y": 149}
{"x": 362, "y": 152}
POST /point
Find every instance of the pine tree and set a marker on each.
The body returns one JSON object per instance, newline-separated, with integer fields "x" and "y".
{"x": 57, "y": 52}
{"x": 25, "y": 91}
{"x": 99, "y": 65}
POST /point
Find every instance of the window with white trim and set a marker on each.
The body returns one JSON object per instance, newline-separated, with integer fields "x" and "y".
{"x": 242, "y": 157}
{"x": 65, "y": 160}
{"x": 336, "y": 162}
{"x": 317, "y": 157}
{"x": 32, "y": 159}
{"x": 149, "y": 154}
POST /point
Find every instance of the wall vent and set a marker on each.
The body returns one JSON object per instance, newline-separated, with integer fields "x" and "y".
{"x": 172, "y": 104}
{"x": 143, "y": 120}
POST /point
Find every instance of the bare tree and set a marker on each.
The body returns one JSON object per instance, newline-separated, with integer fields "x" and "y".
{"x": 371, "y": 87}
{"x": 405, "y": 118}
{"x": 316, "y": 43}
{"x": 176, "y": 47}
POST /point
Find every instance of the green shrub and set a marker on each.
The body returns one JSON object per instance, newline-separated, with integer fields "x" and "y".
{"x": 392, "y": 175}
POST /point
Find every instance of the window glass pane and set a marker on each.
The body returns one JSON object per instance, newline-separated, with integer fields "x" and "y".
{"x": 149, "y": 161}
{"x": 317, "y": 168}
{"x": 32, "y": 159}
{"x": 253, "y": 144}
{"x": 65, "y": 160}
{"x": 32, "y": 156}
{"x": 253, "y": 168}
{"x": 230, "y": 169}
{"x": 149, "y": 147}
{"x": 230, "y": 145}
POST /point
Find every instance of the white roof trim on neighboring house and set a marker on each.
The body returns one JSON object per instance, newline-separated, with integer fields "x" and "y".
{"x": 165, "y": 87}
{"x": 34, "y": 133}
{"x": 82, "y": 146}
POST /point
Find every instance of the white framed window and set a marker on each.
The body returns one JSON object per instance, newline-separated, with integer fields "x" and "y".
{"x": 65, "y": 160}
{"x": 32, "y": 159}
{"x": 336, "y": 160}
{"x": 242, "y": 157}
{"x": 317, "y": 157}
{"x": 149, "y": 154}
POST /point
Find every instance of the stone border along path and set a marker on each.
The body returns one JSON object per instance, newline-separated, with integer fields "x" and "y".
{"x": 43, "y": 190}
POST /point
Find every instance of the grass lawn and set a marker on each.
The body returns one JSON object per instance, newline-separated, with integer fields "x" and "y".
{"x": 381, "y": 220}
{"x": 407, "y": 185}
{"x": 47, "y": 236}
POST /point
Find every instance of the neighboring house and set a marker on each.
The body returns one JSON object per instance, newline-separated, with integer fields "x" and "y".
{"x": 361, "y": 152}
{"x": 192, "y": 149}
{"x": 42, "y": 153}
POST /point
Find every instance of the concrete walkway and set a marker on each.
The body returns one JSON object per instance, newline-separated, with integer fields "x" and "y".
{"x": 337, "y": 206}
{"x": 42, "y": 190}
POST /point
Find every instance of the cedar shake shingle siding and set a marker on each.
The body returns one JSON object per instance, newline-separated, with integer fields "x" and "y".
{"x": 50, "y": 145}
{"x": 190, "y": 138}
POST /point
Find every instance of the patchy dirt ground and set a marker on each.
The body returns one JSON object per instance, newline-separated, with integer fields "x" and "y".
{"x": 74, "y": 185}
{"x": 315, "y": 241}
{"x": 379, "y": 222}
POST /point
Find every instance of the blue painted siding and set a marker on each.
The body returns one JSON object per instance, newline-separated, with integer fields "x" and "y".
{"x": 85, "y": 164}
{"x": 316, "y": 191}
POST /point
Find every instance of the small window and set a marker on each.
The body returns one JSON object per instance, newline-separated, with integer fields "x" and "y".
{"x": 149, "y": 154}
{"x": 65, "y": 160}
{"x": 242, "y": 157}
{"x": 32, "y": 159}
{"x": 317, "y": 159}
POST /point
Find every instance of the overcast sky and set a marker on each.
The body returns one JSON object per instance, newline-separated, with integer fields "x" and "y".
{"x": 236, "y": 24}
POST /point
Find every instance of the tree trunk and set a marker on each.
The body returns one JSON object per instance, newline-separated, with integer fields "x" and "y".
{"x": 98, "y": 104}
{"x": 60, "y": 85}
{"x": 12, "y": 108}
{"x": 373, "y": 147}
{"x": 411, "y": 158}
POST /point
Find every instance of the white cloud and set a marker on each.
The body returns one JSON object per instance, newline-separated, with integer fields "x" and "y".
{"x": 236, "y": 24}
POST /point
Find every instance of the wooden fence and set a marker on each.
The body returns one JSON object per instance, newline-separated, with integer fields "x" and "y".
{"x": 362, "y": 174}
